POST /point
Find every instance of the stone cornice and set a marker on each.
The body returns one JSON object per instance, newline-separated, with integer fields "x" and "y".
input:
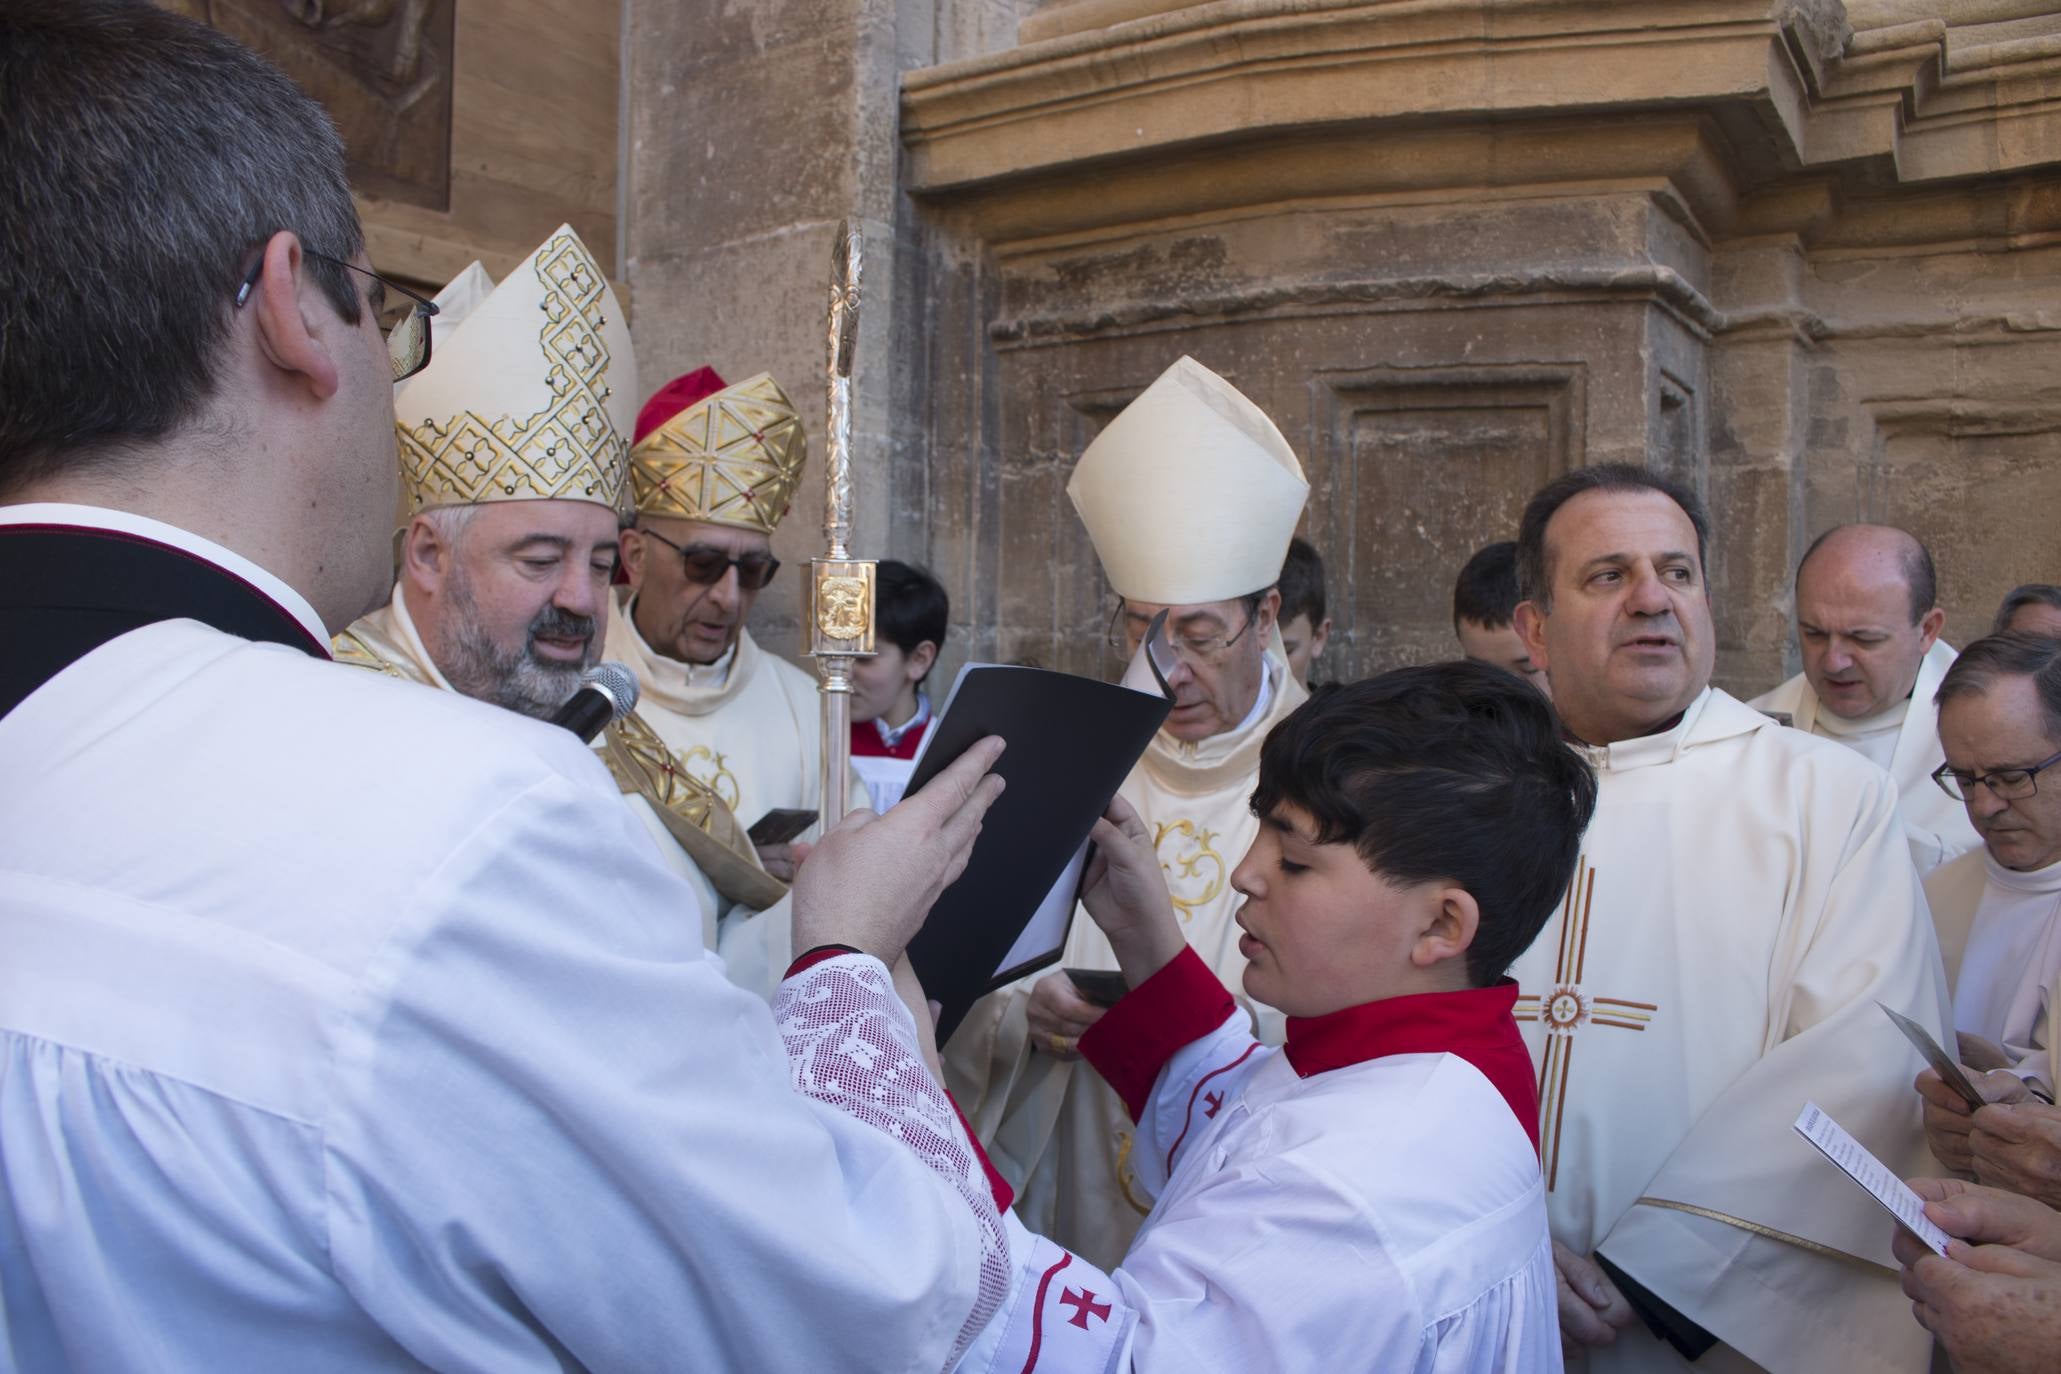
{"x": 1789, "y": 84}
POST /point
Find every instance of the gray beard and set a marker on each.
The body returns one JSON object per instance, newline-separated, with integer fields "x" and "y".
{"x": 516, "y": 680}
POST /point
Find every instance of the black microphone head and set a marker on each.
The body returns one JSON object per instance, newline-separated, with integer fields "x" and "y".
{"x": 615, "y": 682}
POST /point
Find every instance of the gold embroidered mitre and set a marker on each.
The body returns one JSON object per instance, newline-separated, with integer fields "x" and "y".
{"x": 729, "y": 455}
{"x": 530, "y": 389}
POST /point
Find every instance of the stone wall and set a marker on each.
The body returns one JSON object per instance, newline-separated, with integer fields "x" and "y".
{"x": 1803, "y": 256}
{"x": 1456, "y": 247}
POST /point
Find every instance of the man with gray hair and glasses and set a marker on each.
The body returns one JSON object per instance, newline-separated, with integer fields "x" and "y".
{"x": 346, "y": 1025}
{"x": 1998, "y": 910}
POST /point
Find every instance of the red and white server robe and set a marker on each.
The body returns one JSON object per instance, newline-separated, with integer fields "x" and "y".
{"x": 1366, "y": 1197}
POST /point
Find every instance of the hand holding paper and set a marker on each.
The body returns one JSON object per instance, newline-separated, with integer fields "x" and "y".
{"x": 1859, "y": 1164}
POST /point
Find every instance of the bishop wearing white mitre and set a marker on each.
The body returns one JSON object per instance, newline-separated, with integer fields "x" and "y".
{"x": 1190, "y": 495}
{"x": 474, "y": 596}
{"x": 1744, "y": 899}
{"x": 1868, "y": 623}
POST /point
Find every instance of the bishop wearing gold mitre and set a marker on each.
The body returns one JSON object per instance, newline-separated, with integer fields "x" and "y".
{"x": 513, "y": 466}
{"x": 712, "y": 473}
{"x": 1190, "y": 495}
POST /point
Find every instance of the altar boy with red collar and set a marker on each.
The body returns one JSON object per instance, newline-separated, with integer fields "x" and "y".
{"x": 1368, "y": 1196}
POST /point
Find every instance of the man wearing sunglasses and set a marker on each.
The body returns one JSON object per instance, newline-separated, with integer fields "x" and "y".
{"x": 1998, "y": 909}
{"x": 713, "y": 472}
{"x": 505, "y": 566}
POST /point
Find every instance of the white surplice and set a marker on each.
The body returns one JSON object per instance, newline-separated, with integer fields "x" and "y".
{"x": 1054, "y": 1129}
{"x": 1384, "y": 1216}
{"x": 1903, "y": 741}
{"x": 1744, "y": 897}
{"x": 347, "y": 1026}
{"x": 2000, "y": 933}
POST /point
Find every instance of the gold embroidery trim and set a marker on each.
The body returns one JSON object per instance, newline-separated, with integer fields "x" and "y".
{"x": 1190, "y": 865}
{"x": 1757, "y": 1229}
{"x": 733, "y": 459}
{"x": 646, "y": 766}
{"x": 348, "y": 649}
{"x": 1124, "y": 1141}
{"x": 567, "y": 450}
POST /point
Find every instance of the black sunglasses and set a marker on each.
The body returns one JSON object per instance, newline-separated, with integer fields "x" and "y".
{"x": 705, "y": 566}
{"x": 407, "y": 343}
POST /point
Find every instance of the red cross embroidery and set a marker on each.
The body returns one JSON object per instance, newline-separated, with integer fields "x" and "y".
{"x": 1084, "y": 1306}
{"x": 1210, "y": 1103}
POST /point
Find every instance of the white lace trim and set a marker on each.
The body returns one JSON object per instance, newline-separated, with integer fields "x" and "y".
{"x": 850, "y": 1044}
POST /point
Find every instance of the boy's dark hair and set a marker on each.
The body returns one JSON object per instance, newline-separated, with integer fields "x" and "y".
{"x": 1302, "y": 582}
{"x": 1535, "y": 572}
{"x": 1486, "y": 592}
{"x": 2025, "y": 594}
{"x": 912, "y": 606}
{"x": 144, "y": 160}
{"x": 2015, "y": 653}
{"x": 1451, "y": 772}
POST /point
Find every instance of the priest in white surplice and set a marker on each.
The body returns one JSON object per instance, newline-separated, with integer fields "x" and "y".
{"x": 1210, "y": 559}
{"x": 1744, "y": 898}
{"x": 1868, "y": 623}
{"x": 346, "y": 1025}
{"x": 1999, "y": 909}
{"x": 504, "y": 586}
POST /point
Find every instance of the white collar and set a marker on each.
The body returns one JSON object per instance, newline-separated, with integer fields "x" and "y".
{"x": 1260, "y": 703}
{"x": 158, "y": 532}
{"x": 1892, "y": 718}
{"x": 891, "y": 735}
{"x": 2034, "y": 882}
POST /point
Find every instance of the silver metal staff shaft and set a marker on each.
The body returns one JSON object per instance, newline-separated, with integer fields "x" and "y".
{"x": 840, "y": 608}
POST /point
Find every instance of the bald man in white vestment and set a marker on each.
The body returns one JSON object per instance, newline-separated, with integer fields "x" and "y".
{"x": 347, "y": 1026}
{"x": 1868, "y": 623}
{"x": 1210, "y": 560}
{"x": 1743, "y": 900}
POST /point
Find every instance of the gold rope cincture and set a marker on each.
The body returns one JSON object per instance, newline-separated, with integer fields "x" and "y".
{"x": 1759, "y": 1230}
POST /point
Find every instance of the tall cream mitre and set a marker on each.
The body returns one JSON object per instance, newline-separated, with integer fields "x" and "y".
{"x": 531, "y": 388}
{"x": 1190, "y": 493}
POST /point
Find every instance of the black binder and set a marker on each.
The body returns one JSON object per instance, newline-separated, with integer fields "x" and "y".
{"x": 1072, "y": 741}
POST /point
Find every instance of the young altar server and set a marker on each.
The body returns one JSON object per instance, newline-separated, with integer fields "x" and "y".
{"x": 1367, "y": 1196}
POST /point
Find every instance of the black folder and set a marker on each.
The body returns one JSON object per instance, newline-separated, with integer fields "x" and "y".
{"x": 1072, "y": 741}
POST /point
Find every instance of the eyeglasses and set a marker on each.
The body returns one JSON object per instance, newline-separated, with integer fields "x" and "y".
{"x": 705, "y": 566}
{"x": 1198, "y": 651}
{"x": 2006, "y": 784}
{"x": 407, "y": 343}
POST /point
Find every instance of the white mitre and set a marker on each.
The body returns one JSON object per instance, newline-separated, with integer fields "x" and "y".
{"x": 531, "y": 389}
{"x": 1190, "y": 494}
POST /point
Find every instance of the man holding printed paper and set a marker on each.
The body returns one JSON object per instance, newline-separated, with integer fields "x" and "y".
{"x": 1056, "y": 1131}
{"x": 1998, "y": 911}
{"x": 1744, "y": 898}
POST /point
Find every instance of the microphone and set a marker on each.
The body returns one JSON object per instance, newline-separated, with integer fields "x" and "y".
{"x": 608, "y": 692}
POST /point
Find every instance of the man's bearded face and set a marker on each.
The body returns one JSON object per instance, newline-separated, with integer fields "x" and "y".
{"x": 516, "y": 674}
{"x": 522, "y": 604}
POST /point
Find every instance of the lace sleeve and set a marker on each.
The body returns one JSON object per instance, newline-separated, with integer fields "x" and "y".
{"x": 850, "y": 1044}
